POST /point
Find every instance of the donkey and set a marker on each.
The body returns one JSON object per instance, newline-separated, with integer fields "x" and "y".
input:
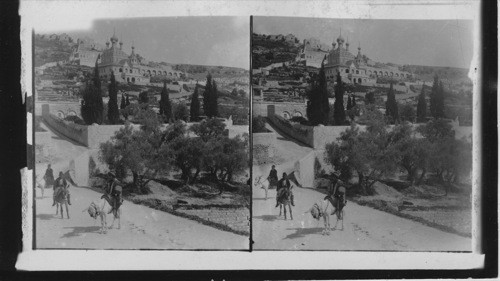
{"x": 324, "y": 209}
{"x": 61, "y": 199}
{"x": 100, "y": 209}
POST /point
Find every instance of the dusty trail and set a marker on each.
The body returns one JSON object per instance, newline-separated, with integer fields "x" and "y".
{"x": 141, "y": 227}
{"x": 364, "y": 228}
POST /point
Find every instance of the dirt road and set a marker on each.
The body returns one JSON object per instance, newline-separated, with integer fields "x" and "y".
{"x": 364, "y": 228}
{"x": 141, "y": 227}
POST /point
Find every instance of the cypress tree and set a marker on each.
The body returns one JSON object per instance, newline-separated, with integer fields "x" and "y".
{"x": 122, "y": 102}
{"x": 165, "y": 104}
{"x": 318, "y": 108}
{"x": 92, "y": 105}
{"x": 195, "y": 105}
{"x": 214, "y": 108}
{"x": 421, "y": 106}
{"x": 353, "y": 101}
{"x": 206, "y": 96}
{"x": 349, "y": 105}
{"x": 434, "y": 97}
{"x": 440, "y": 101}
{"x": 113, "y": 113}
{"x": 391, "y": 106}
{"x": 338, "y": 106}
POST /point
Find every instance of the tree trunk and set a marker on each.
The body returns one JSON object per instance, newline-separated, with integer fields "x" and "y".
{"x": 136, "y": 181}
{"x": 422, "y": 176}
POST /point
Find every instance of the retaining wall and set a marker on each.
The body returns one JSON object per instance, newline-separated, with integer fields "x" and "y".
{"x": 291, "y": 108}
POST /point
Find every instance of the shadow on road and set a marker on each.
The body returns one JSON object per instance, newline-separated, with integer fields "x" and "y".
{"x": 302, "y": 232}
{"x": 46, "y": 216}
{"x": 77, "y": 230}
{"x": 266, "y": 217}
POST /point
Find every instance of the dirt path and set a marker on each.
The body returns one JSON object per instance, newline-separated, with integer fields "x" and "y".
{"x": 141, "y": 227}
{"x": 364, "y": 228}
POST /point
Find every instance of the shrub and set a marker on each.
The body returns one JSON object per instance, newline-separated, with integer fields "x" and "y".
{"x": 259, "y": 125}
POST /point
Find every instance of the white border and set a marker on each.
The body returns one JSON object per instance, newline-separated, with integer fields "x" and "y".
{"x": 79, "y": 14}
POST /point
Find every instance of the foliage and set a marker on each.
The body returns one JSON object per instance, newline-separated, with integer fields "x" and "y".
{"x": 391, "y": 106}
{"x": 258, "y": 124}
{"x": 142, "y": 151}
{"x": 338, "y": 105}
{"x": 318, "y": 107}
{"x": 144, "y": 97}
{"x": 113, "y": 113}
{"x": 92, "y": 106}
{"x": 165, "y": 104}
{"x": 370, "y": 98}
{"x": 367, "y": 153}
{"x": 180, "y": 112}
{"x": 123, "y": 103}
{"x": 210, "y": 96}
{"x": 437, "y": 99}
{"x": 195, "y": 106}
{"x": 407, "y": 112}
{"x": 421, "y": 106}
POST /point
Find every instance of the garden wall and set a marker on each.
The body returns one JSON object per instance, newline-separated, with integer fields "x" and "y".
{"x": 75, "y": 132}
{"x": 280, "y": 108}
{"x": 301, "y": 133}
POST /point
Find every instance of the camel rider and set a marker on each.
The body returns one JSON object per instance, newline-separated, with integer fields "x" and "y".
{"x": 283, "y": 186}
{"x": 273, "y": 176}
{"x": 115, "y": 191}
{"x": 59, "y": 184}
{"x": 337, "y": 190}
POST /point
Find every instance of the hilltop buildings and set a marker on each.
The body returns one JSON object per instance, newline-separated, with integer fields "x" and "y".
{"x": 85, "y": 52}
{"x": 131, "y": 68}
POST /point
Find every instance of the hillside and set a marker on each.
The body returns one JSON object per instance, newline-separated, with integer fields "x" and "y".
{"x": 216, "y": 71}
{"x": 47, "y": 50}
{"x": 426, "y": 73}
{"x": 266, "y": 51}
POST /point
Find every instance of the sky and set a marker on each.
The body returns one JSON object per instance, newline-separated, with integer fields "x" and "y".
{"x": 220, "y": 41}
{"x": 420, "y": 42}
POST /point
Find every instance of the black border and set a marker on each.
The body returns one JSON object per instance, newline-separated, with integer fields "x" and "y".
{"x": 13, "y": 158}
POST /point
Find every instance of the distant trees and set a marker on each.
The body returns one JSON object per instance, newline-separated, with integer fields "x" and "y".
{"x": 338, "y": 105}
{"x": 165, "y": 104}
{"x": 122, "y": 102}
{"x": 422, "y": 106}
{"x": 180, "y": 112}
{"x": 406, "y": 112}
{"x": 318, "y": 108}
{"x": 437, "y": 99}
{"x": 113, "y": 113}
{"x": 391, "y": 106}
{"x": 144, "y": 97}
{"x": 92, "y": 106}
{"x": 370, "y": 98}
{"x": 349, "y": 105}
{"x": 210, "y": 106}
{"x": 195, "y": 105}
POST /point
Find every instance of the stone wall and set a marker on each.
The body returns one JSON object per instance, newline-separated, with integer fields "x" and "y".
{"x": 75, "y": 132}
{"x": 280, "y": 108}
{"x": 301, "y": 133}
{"x": 60, "y": 109}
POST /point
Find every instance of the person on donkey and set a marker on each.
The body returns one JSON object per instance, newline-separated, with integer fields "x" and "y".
{"x": 284, "y": 186}
{"x": 336, "y": 193}
{"x": 115, "y": 191}
{"x": 59, "y": 184}
{"x": 273, "y": 176}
